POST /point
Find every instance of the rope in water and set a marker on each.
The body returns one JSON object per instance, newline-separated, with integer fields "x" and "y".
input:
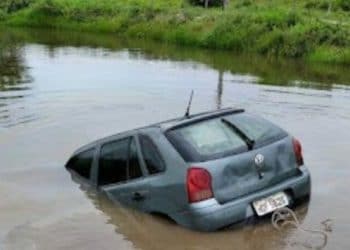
{"x": 286, "y": 217}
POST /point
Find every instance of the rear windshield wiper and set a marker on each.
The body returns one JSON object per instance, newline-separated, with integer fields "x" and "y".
{"x": 250, "y": 143}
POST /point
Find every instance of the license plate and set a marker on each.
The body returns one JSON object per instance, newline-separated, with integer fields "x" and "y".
{"x": 271, "y": 203}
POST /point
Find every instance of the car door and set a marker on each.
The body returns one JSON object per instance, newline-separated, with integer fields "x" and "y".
{"x": 161, "y": 187}
{"x": 120, "y": 174}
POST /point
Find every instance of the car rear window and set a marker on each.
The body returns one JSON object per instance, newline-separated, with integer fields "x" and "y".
{"x": 257, "y": 129}
{"x": 219, "y": 137}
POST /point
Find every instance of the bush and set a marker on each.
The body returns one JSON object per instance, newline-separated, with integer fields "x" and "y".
{"x": 344, "y": 4}
{"x": 2, "y": 15}
{"x": 243, "y": 3}
{"x": 316, "y": 4}
{"x": 271, "y": 42}
{"x": 14, "y": 5}
{"x": 326, "y": 4}
{"x": 201, "y": 2}
{"x": 48, "y": 8}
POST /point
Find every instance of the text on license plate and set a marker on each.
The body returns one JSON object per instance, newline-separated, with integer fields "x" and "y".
{"x": 271, "y": 203}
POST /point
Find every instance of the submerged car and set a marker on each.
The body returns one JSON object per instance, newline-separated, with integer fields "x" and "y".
{"x": 205, "y": 171}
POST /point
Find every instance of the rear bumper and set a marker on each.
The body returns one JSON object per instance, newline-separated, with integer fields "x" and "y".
{"x": 209, "y": 215}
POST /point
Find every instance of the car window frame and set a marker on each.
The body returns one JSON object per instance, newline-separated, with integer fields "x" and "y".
{"x": 157, "y": 150}
{"x": 127, "y": 181}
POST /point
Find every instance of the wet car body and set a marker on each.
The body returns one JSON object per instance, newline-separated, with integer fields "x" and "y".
{"x": 204, "y": 171}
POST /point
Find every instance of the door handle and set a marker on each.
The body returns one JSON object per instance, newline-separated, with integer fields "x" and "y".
{"x": 138, "y": 196}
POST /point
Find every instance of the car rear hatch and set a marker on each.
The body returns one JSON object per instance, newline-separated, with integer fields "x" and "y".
{"x": 239, "y": 175}
{"x": 242, "y": 153}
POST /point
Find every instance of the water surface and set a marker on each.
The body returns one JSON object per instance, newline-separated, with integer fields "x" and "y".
{"x": 61, "y": 90}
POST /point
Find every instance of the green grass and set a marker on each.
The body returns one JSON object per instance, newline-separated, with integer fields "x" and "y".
{"x": 330, "y": 55}
{"x": 317, "y": 30}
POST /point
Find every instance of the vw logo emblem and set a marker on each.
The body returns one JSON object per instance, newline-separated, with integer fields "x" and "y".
{"x": 259, "y": 160}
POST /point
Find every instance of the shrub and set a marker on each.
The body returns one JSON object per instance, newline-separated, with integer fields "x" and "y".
{"x": 201, "y": 2}
{"x": 277, "y": 19}
{"x": 48, "y": 8}
{"x": 14, "y": 5}
{"x": 2, "y": 14}
{"x": 324, "y": 33}
{"x": 243, "y": 3}
{"x": 326, "y": 4}
{"x": 344, "y": 4}
{"x": 271, "y": 42}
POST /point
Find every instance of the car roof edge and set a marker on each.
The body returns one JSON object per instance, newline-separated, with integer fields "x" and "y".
{"x": 199, "y": 117}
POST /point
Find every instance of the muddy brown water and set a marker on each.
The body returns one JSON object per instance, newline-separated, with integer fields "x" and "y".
{"x": 61, "y": 90}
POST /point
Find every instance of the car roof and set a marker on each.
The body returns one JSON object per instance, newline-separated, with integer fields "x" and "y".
{"x": 187, "y": 120}
{"x": 165, "y": 126}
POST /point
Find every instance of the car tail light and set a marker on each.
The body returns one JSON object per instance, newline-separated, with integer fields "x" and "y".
{"x": 198, "y": 185}
{"x": 298, "y": 152}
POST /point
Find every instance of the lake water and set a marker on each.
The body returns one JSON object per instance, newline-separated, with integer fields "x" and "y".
{"x": 59, "y": 91}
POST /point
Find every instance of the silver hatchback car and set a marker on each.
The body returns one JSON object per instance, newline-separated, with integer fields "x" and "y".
{"x": 204, "y": 171}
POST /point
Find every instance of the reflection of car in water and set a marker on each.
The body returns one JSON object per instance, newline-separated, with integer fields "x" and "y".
{"x": 153, "y": 232}
{"x": 205, "y": 171}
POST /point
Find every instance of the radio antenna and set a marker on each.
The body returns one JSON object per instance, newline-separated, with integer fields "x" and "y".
{"x": 187, "y": 114}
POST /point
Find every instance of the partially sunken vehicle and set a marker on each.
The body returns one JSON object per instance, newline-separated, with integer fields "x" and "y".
{"x": 205, "y": 171}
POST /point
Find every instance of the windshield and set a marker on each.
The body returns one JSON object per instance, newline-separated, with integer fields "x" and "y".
{"x": 223, "y": 136}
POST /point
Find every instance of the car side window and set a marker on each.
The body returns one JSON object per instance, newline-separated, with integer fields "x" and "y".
{"x": 113, "y": 162}
{"x": 81, "y": 163}
{"x": 118, "y": 162}
{"x": 151, "y": 155}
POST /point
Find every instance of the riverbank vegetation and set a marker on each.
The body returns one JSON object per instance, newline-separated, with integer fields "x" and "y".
{"x": 316, "y": 30}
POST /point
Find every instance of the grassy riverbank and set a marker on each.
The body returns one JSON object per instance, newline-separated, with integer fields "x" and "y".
{"x": 317, "y": 30}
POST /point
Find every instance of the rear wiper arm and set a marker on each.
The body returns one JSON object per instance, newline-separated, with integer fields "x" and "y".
{"x": 250, "y": 143}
